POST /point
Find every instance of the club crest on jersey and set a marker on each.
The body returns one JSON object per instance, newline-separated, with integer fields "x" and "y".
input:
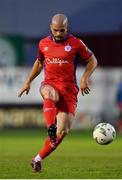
{"x": 67, "y": 48}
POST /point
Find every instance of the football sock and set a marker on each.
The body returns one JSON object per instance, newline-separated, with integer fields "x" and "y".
{"x": 49, "y": 146}
{"x": 49, "y": 109}
{"x": 37, "y": 158}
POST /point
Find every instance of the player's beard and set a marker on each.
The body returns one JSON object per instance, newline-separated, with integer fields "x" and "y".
{"x": 58, "y": 39}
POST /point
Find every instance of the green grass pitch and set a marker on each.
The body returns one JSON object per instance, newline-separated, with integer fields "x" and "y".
{"x": 78, "y": 157}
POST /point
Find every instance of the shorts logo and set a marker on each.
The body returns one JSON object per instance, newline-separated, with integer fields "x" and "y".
{"x": 46, "y": 48}
{"x": 67, "y": 48}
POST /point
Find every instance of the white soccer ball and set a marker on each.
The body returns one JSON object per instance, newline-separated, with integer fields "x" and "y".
{"x": 104, "y": 133}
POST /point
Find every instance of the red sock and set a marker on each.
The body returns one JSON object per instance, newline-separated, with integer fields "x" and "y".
{"x": 50, "y": 147}
{"x": 49, "y": 109}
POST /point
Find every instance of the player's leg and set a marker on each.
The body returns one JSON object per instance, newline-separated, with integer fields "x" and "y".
{"x": 64, "y": 121}
{"x": 50, "y": 97}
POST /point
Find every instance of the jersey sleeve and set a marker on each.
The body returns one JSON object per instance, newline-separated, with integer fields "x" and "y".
{"x": 83, "y": 50}
{"x": 40, "y": 55}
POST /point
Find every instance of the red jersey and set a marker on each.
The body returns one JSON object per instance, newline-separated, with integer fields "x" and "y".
{"x": 60, "y": 58}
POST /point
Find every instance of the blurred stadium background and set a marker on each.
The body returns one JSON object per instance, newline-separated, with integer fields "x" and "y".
{"x": 23, "y": 23}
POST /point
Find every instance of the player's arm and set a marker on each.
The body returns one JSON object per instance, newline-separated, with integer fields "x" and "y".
{"x": 86, "y": 54}
{"x": 90, "y": 67}
{"x": 35, "y": 71}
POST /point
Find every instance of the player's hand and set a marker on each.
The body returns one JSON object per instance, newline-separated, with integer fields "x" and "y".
{"x": 84, "y": 86}
{"x": 25, "y": 88}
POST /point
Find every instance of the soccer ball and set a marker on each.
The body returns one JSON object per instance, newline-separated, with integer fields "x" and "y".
{"x": 104, "y": 133}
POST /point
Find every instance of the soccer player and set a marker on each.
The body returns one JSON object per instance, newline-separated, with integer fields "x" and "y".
{"x": 57, "y": 54}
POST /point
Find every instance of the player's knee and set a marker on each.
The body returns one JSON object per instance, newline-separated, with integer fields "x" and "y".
{"x": 50, "y": 95}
